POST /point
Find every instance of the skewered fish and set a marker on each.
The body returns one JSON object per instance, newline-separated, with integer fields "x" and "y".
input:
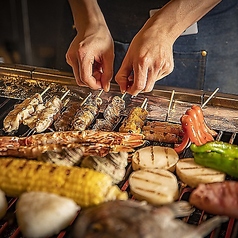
{"x": 63, "y": 123}
{"x": 112, "y": 164}
{"x": 87, "y": 113}
{"x": 112, "y": 115}
{"x": 21, "y": 111}
{"x": 136, "y": 219}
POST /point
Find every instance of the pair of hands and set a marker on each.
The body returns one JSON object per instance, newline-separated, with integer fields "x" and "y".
{"x": 148, "y": 59}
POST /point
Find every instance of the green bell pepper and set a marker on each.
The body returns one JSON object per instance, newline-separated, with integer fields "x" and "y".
{"x": 217, "y": 146}
{"x": 218, "y": 155}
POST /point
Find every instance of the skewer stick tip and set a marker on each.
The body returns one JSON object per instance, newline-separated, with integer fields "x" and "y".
{"x": 210, "y": 97}
{"x": 144, "y": 104}
{"x": 65, "y": 94}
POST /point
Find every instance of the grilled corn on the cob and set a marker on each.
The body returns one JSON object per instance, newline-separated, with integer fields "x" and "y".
{"x": 85, "y": 186}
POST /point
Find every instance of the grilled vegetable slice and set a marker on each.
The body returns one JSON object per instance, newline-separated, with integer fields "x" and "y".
{"x": 156, "y": 186}
{"x": 41, "y": 214}
{"x": 85, "y": 186}
{"x": 3, "y": 204}
{"x": 159, "y": 157}
{"x": 193, "y": 174}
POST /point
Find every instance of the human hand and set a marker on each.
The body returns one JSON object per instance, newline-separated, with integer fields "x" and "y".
{"x": 91, "y": 56}
{"x": 148, "y": 59}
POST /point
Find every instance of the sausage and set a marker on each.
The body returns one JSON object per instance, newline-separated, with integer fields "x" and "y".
{"x": 203, "y": 125}
{"x": 189, "y": 128}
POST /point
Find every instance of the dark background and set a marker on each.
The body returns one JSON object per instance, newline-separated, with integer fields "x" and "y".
{"x": 36, "y": 33}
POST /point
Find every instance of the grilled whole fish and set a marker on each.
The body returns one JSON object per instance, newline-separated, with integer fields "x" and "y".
{"x": 120, "y": 219}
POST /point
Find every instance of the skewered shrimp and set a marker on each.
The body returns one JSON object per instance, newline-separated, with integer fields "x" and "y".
{"x": 70, "y": 137}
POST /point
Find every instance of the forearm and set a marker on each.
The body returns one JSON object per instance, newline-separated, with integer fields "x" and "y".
{"x": 86, "y": 13}
{"x": 176, "y": 16}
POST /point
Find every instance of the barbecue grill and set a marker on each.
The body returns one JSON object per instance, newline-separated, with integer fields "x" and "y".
{"x": 164, "y": 104}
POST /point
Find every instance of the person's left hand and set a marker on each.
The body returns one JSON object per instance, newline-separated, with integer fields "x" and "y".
{"x": 148, "y": 59}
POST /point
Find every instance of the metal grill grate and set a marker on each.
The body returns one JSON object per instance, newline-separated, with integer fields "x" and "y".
{"x": 8, "y": 225}
{"x": 17, "y": 82}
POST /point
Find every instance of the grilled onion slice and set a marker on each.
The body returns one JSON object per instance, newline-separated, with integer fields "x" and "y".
{"x": 152, "y": 157}
{"x": 156, "y": 186}
{"x": 193, "y": 174}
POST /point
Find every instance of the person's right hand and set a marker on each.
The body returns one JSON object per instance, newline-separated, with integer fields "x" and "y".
{"x": 91, "y": 56}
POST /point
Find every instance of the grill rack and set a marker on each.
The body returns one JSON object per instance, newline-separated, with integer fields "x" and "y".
{"x": 159, "y": 102}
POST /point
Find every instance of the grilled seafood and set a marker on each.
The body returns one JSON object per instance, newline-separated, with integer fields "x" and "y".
{"x": 48, "y": 114}
{"x": 64, "y": 156}
{"x": 86, "y": 113}
{"x": 31, "y": 121}
{"x": 112, "y": 164}
{"x": 111, "y": 115}
{"x": 20, "y": 112}
{"x": 136, "y": 219}
{"x": 91, "y": 138}
{"x": 69, "y": 154}
{"x": 63, "y": 123}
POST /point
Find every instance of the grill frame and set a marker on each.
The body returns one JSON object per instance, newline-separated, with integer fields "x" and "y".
{"x": 220, "y": 114}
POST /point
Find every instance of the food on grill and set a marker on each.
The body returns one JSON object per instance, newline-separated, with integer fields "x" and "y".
{"x": 218, "y": 155}
{"x": 69, "y": 137}
{"x": 85, "y": 186}
{"x": 151, "y": 157}
{"x": 63, "y": 122}
{"x": 135, "y": 120}
{"x": 42, "y": 214}
{"x": 193, "y": 174}
{"x": 112, "y": 164}
{"x": 63, "y": 156}
{"x": 47, "y": 116}
{"x": 195, "y": 129}
{"x": 20, "y": 112}
{"x": 3, "y": 204}
{"x": 31, "y": 121}
{"x": 111, "y": 114}
{"x": 156, "y": 186}
{"x": 163, "y": 132}
{"x": 136, "y": 219}
{"x": 202, "y": 123}
{"x": 217, "y": 198}
{"x": 87, "y": 113}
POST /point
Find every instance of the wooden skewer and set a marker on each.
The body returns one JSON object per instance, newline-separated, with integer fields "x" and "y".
{"x": 211, "y": 96}
{"x": 64, "y": 95}
{"x": 170, "y": 104}
{"x": 45, "y": 91}
{"x": 85, "y": 100}
{"x": 144, "y": 104}
{"x": 123, "y": 95}
{"x": 100, "y": 93}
